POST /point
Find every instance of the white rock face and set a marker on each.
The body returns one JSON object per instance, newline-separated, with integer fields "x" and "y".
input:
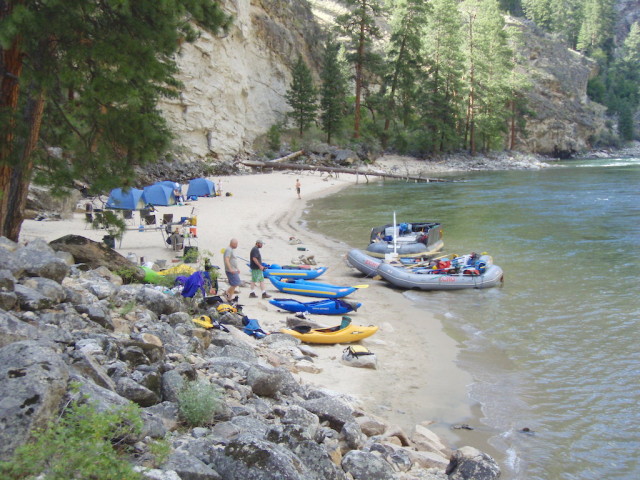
{"x": 234, "y": 84}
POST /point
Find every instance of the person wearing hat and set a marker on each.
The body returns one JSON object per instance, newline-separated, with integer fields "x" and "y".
{"x": 255, "y": 264}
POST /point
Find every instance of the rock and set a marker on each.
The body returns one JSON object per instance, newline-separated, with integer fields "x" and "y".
{"x": 95, "y": 254}
{"x": 366, "y": 466}
{"x": 37, "y": 259}
{"x": 173, "y": 381}
{"x": 371, "y": 426}
{"x": 296, "y": 415}
{"x": 352, "y": 435}
{"x": 97, "y": 285}
{"x": 360, "y": 361}
{"x": 137, "y": 393}
{"x": 189, "y": 467}
{"x": 14, "y": 330}
{"x": 8, "y": 300}
{"x": 265, "y": 381}
{"x": 249, "y": 457}
{"x": 425, "y": 439}
{"x": 33, "y": 381}
{"x": 468, "y": 463}
{"x": 30, "y": 299}
{"x": 330, "y": 409}
{"x": 97, "y": 313}
{"x": 158, "y": 302}
{"x": 156, "y": 474}
{"x": 166, "y": 413}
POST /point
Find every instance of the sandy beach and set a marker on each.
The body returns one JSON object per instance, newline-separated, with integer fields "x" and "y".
{"x": 416, "y": 380}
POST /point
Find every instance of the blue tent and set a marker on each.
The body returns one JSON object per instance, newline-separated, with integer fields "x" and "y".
{"x": 159, "y": 194}
{"x": 201, "y": 187}
{"x": 125, "y": 199}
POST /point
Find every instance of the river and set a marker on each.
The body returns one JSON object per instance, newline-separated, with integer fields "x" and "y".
{"x": 557, "y": 348}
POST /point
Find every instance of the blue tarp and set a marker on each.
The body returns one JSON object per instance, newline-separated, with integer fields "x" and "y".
{"x": 129, "y": 199}
{"x": 200, "y": 187}
{"x": 159, "y": 194}
{"x": 194, "y": 283}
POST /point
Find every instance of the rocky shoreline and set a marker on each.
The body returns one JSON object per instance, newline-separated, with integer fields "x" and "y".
{"x": 69, "y": 320}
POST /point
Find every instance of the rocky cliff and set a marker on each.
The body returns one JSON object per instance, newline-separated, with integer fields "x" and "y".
{"x": 562, "y": 120}
{"x": 234, "y": 84}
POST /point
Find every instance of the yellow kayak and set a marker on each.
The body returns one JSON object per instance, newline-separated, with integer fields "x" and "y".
{"x": 337, "y": 334}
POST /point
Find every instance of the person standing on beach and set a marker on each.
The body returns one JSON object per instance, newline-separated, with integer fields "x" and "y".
{"x": 257, "y": 277}
{"x": 231, "y": 269}
{"x": 298, "y": 187}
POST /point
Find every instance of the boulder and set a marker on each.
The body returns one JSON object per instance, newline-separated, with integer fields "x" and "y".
{"x": 468, "y": 463}
{"x": 366, "y": 466}
{"x": 265, "y": 381}
{"x": 330, "y": 409}
{"x": 95, "y": 254}
{"x": 189, "y": 467}
{"x": 37, "y": 259}
{"x": 33, "y": 381}
{"x": 13, "y": 329}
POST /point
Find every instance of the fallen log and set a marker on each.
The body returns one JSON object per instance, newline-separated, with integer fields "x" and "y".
{"x": 279, "y": 165}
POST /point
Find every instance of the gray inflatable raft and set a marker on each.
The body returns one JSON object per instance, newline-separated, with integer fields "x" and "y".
{"x": 491, "y": 276}
{"x": 363, "y": 262}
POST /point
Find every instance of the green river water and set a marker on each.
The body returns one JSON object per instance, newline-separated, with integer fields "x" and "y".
{"x": 557, "y": 348}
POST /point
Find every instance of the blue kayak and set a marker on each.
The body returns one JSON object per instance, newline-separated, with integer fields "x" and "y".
{"x": 329, "y": 306}
{"x": 310, "y": 288}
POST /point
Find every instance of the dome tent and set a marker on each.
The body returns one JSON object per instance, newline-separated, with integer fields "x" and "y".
{"x": 201, "y": 187}
{"x": 159, "y": 194}
{"x": 125, "y": 199}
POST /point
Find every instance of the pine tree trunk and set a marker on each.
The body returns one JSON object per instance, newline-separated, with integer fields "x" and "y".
{"x": 512, "y": 126}
{"x": 359, "y": 67}
{"x": 21, "y": 175}
{"x": 11, "y": 69}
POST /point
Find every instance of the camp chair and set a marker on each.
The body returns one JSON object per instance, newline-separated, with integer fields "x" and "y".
{"x": 150, "y": 219}
{"x": 167, "y": 218}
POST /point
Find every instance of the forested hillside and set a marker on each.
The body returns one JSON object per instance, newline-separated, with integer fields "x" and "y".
{"x": 477, "y": 75}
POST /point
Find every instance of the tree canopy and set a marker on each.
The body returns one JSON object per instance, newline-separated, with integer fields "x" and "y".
{"x": 79, "y": 90}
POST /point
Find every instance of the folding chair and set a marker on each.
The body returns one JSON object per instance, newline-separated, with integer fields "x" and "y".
{"x": 128, "y": 216}
{"x": 167, "y": 218}
{"x": 150, "y": 220}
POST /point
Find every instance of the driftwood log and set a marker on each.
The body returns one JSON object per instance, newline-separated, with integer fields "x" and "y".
{"x": 281, "y": 164}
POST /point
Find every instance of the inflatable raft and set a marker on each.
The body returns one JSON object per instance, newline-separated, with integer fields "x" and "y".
{"x": 482, "y": 273}
{"x": 330, "y": 306}
{"x": 417, "y": 239}
{"x": 310, "y": 288}
{"x": 363, "y": 263}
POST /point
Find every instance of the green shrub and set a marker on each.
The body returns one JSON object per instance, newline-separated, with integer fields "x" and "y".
{"x": 127, "y": 274}
{"x": 160, "y": 449}
{"x": 82, "y": 443}
{"x": 198, "y": 402}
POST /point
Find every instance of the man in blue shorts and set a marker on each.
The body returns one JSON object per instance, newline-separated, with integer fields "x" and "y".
{"x": 231, "y": 269}
{"x": 257, "y": 277}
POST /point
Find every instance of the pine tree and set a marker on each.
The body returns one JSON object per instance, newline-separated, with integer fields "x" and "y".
{"x": 79, "y": 88}
{"x": 623, "y": 94}
{"x": 405, "y": 57}
{"x": 359, "y": 25}
{"x": 333, "y": 92}
{"x": 489, "y": 67}
{"x": 441, "y": 99}
{"x": 302, "y": 97}
{"x": 596, "y": 30}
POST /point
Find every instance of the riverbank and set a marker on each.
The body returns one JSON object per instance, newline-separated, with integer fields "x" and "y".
{"x": 266, "y": 206}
